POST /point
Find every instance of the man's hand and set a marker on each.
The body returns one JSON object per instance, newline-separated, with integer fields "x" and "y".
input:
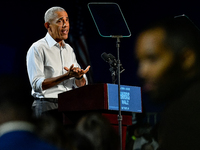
{"x": 71, "y": 72}
{"x": 76, "y": 71}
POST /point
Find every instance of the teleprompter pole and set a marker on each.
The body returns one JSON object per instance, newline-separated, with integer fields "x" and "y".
{"x": 119, "y": 100}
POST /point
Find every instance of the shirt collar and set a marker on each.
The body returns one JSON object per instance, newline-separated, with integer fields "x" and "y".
{"x": 51, "y": 42}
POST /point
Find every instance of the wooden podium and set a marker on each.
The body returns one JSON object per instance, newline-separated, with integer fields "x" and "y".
{"x": 101, "y": 98}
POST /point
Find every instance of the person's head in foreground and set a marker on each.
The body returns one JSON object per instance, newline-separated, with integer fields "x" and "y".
{"x": 168, "y": 53}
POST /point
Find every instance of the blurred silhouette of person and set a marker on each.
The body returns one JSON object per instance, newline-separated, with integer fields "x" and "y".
{"x": 99, "y": 131}
{"x": 141, "y": 134}
{"x": 147, "y": 146}
{"x": 52, "y": 131}
{"x": 78, "y": 141}
{"x": 17, "y": 130}
{"x": 169, "y": 58}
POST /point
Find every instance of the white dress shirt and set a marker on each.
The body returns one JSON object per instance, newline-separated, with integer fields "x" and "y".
{"x": 46, "y": 59}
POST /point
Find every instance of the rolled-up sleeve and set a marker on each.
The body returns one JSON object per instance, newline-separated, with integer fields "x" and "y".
{"x": 35, "y": 68}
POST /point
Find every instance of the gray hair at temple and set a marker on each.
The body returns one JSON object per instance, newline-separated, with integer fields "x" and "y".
{"x": 50, "y": 13}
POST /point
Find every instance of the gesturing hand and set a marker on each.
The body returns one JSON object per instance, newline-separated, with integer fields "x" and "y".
{"x": 76, "y": 71}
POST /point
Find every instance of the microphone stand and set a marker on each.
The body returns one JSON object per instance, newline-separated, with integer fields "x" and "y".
{"x": 113, "y": 73}
{"x": 119, "y": 100}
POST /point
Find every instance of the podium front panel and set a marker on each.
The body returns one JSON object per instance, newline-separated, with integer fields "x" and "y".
{"x": 90, "y": 97}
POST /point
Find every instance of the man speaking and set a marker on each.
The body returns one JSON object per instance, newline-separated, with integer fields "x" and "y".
{"x": 51, "y": 64}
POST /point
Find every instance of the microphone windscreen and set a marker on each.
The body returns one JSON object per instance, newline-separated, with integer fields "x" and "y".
{"x": 111, "y": 56}
{"x": 105, "y": 57}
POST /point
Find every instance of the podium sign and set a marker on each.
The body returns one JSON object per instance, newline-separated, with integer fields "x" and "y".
{"x": 130, "y": 97}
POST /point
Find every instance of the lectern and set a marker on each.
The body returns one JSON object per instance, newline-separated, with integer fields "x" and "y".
{"x": 101, "y": 98}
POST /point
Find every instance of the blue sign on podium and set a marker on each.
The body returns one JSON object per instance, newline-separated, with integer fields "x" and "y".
{"x": 130, "y": 97}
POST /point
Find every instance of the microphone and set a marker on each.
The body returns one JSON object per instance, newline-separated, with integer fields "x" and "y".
{"x": 111, "y": 60}
{"x": 108, "y": 58}
{"x": 114, "y": 61}
{"x": 105, "y": 57}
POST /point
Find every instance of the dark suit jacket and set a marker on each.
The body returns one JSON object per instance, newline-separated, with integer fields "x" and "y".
{"x": 180, "y": 123}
